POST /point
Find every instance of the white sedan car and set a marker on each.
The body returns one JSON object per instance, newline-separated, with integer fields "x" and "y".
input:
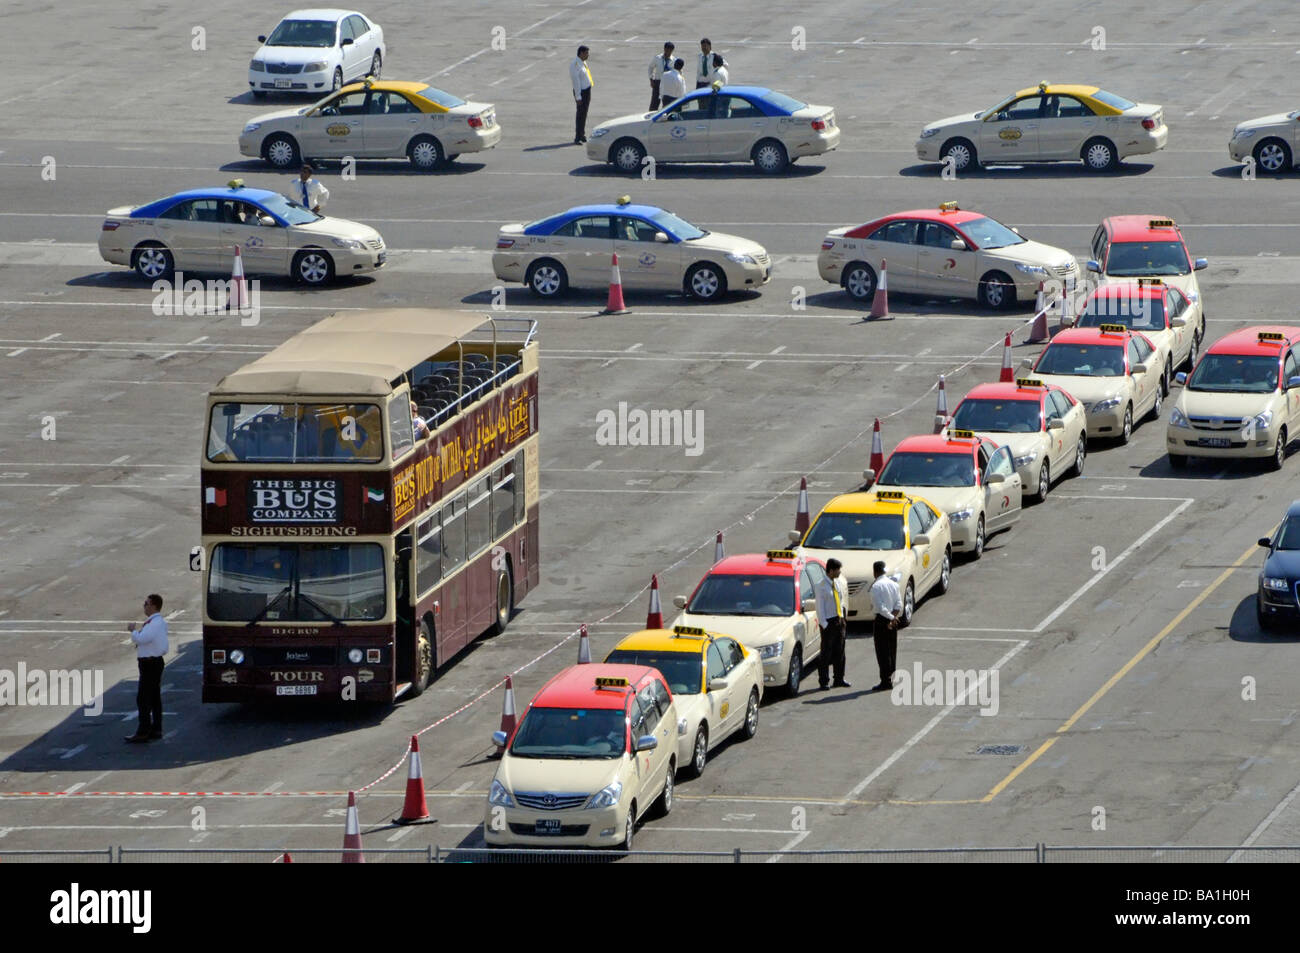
{"x": 315, "y": 51}
{"x": 1271, "y": 140}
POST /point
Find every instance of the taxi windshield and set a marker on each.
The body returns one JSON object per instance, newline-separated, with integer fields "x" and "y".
{"x": 571, "y": 733}
{"x": 856, "y": 531}
{"x": 291, "y": 212}
{"x": 998, "y": 416}
{"x": 1082, "y": 360}
{"x": 1132, "y": 311}
{"x": 987, "y": 233}
{"x": 673, "y": 225}
{"x": 1236, "y": 373}
{"x": 725, "y": 594}
{"x": 1288, "y": 536}
{"x": 317, "y": 33}
{"x": 683, "y": 671}
{"x": 929, "y": 469}
{"x": 1134, "y": 259}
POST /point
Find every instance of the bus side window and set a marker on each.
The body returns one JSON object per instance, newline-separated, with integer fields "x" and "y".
{"x": 401, "y": 433}
{"x": 504, "y": 488}
{"x": 521, "y": 505}
{"x": 453, "y": 535}
{"x": 428, "y": 565}
{"x": 479, "y": 522}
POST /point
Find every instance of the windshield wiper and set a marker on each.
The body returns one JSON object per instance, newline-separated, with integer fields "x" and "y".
{"x": 269, "y": 606}
{"x": 320, "y": 608}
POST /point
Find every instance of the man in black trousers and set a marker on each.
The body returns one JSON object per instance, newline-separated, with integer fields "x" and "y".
{"x": 834, "y": 626}
{"x": 580, "y": 76}
{"x": 886, "y": 611}
{"x": 150, "y": 641}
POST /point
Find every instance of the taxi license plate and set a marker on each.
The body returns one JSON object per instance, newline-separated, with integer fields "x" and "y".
{"x": 295, "y": 689}
{"x": 1215, "y": 442}
{"x": 549, "y": 825}
{"x": 284, "y": 84}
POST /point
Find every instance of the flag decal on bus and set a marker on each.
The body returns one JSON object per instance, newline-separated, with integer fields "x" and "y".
{"x": 374, "y": 496}
{"x": 213, "y": 496}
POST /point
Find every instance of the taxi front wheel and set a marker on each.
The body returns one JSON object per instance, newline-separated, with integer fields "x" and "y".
{"x": 312, "y": 266}
{"x": 751, "y": 715}
{"x": 1276, "y": 461}
{"x": 281, "y": 151}
{"x": 706, "y": 282}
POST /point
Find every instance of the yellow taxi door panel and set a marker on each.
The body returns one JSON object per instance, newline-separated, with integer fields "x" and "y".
{"x": 1012, "y": 133}
{"x": 336, "y": 129}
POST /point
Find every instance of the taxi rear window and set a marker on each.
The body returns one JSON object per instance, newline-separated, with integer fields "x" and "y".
{"x": 1110, "y": 99}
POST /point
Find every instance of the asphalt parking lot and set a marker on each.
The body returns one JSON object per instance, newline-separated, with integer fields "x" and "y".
{"x": 1118, "y": 616}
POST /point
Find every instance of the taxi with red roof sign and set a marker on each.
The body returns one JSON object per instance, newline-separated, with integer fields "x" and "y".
{"x": 1149, "y": 306}
{"x": 1149, "y": 246}
{"x": 971, "y": 478}
{"x": 944, "y": 251}
{"x": 1242, "y": 399}
{"x": 911, "y": 535}
{"x": 594, "y": 753}
{"x": 716, "y": 683}
{"x": 1116, "y": 374}
{"x": 767, "y": 602}
{"x": 1042, "y": 424}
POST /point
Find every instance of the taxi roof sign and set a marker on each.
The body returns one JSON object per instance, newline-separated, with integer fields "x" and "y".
{"x": 781, "y": 554}
{"x": 1043, "y": 85}
{"x": 691, "y": 630}
{"x": 1028, "y": 382}
{"x": 948, "y": 207}
{"x": 624, "y": 200}
{"x": 235, "y": 184}
{"x": 1161, "y": 223}
{"x": 961, "y": 434}
{"x": 1151, "y": 281}
{"x": 609, "y": 681}
{"x": 1112, "y": 329}
{"x": 890, "y": 495}
{"x": 1272, "y": 336}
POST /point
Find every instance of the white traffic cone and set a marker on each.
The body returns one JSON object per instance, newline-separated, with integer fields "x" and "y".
{"x": 352, "y": 834}
{"x": 880, "y": 300}
{"x": 238, "y": 300}
{"x": 941, "y": 407}
{"x": 584, "y": 646}
{"x": 718, "y": 551}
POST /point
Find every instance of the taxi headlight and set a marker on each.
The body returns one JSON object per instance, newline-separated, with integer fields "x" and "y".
{"x": 961, "y": 515}
{"x": 347, "y": 243}
{"x": 315, "y": 67}
{"x": 1243, "y": 133}
{"x": 498, "y": 795}
{"x": 927, "y": 133}
{"x": 740, "y": 259}
{"x": 1027, "y": 459}
{"x": 1177, "y": 418}
{"x": 597, "y": 133}
{"x": 1030, "y": 269}
{"x": 606, "y": 797}
{"x": 1275, "y": 584}
{"x": 772, "y": 651}
{"x": 257, "y": 66}
{"x": 253, "y": 127}
{"x": 1262, "y": 421}
{"x": 1106, "y": 404}
{"x": 236, "y": 656}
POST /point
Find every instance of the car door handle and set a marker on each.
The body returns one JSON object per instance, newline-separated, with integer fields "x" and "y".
{"x": 758, "y": 123}
{"x": 412, "y": 120}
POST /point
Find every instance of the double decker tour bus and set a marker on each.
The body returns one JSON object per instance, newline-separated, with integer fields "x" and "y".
{"x": 350, "y": 552}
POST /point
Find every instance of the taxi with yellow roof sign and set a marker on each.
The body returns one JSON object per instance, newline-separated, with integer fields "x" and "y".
{"x": 1242, "y": 400}
{"x": 911, "y": 535}
{"x": 1168, "y": 318}
{"x": 1117, "y": 374}
{"x": 716, "y": 683}
{"x": 374, "y": 119}
{"x": 1043, "y": 425}
{"x": 1048, "y": 123}
{"x": 971, "y": 478}
{"x": 593, "y": 754}
{"x": 767, "y": 602}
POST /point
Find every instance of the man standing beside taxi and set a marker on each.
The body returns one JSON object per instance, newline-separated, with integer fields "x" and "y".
{"x": 580, "y": 77}
{"x": 661, "y": 64}
{"x": 886, "y": 611}
{"x": 832, "y": 593}
{"x": 308, "y": 192}
{"x": 672, "y": 86}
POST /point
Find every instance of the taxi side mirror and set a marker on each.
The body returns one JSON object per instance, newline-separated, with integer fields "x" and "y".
{"x": 1138, "y": 369}
{"x": 1180, "y": 377}
{"x": 1027, "y": 364}
{"x": 261, "y": 39}
{"x": 1093, "y": 265}
{"x": 266, "y": 221}
{"x": 499, "y": 739}
{"x": 718, "y": 684}
{"x": 647, "y": 743}
{"x": 1179, "y": 322}
{"x": 958, "y": 245}
{"x": 1266, "y": 542}
{"x": 346, "y": 42}
{"x": 808, "y": 605}
{"x": 1016, "y": 230}
{"x": 679, "y": 602}
{"x": 921, "y": 540}
{"x": 993, "y": 479}
{"x": 661, "y": 237}
{"x": 794, "y": 536}
{"x": 1293, "y": 383}
{"x": 1201, "y": 263}
{"x": 869, "y": 476}
{"x": 1056, "y": 423}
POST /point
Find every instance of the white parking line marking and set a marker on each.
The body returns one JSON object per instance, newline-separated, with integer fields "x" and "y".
{"x": 750, "y": 367}
{"x": 72, "y": 752}
{"x": 1264, "y": 824}
{"x": 74, "y": 788}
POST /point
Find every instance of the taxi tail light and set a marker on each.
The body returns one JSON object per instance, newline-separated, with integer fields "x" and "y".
{"x": 476, "y": 122}
{"x": 819, "y": 125}
{"x": 110, "y": 225}
{"x": 1148, "y": 123}
{"x": 828, "y": 244}
{"x": 505, "y": 243}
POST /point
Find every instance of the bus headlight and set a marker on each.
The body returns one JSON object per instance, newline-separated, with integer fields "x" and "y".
{"x": 236, "y": 656}
{"x": 355, "y": 656}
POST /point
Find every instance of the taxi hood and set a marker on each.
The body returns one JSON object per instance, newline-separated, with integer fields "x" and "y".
{"x": 950, "y": 499}
{"x": 1276, "y": 119}
{"x": 859, "y": 564}
{"x": 724, "y": 243}
{"x": 279, "y": 115}
{"x": 327, "y": 227}
{"x": 752, "y": 630}
{"x": 1087, "y": 389}
{"x": 558, "y": 775}
{"x": 958, "y": 120}
{"x": 1226, "y": 405}
{"x": 1020, "y": 443}
{"x": 1033, "y": 253}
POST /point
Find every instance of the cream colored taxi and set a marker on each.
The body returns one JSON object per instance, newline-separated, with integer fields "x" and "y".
{"x": 596, "y": 751}
{"x": 910, "y": 534}
{"x": 374, "y": 119}
{"x": 1117, "y": 375}
{"x": 1241, "y": 401}
{"x": 973, "y": 480}
{"x": 1272, "y": 141}
{"x": 716, "y": 682}
{"x": 1044, "y": 427}
{"x": 766, "y": 602}
{"x": 656, "y": 251}
{"x": 1050, "y": 123}
{"x": 1161, "y": 313}
{"x": 726, "y": 124}
{"x": 945, "y": 251}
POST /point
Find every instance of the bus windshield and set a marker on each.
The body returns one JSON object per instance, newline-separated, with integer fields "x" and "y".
{"x": 296, "y": 582}
{"x": 264, "y": 432}
{"x": 571, "y": 733}
{"x": 728, "y": 594}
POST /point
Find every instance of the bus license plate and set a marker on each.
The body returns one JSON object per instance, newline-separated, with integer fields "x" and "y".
{"x": 284, "y": 84}
{"x": 1215, "y": 442}
{"x": 295, "y": 689}
{"x": 549, "y": 825}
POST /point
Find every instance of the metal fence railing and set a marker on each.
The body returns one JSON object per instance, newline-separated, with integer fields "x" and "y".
{"x": 1038, "y": 853}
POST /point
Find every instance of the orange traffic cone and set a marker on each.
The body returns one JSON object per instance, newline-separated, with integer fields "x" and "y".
{"x": 1038, "y": 333}
{"x": 801, "y": 512}
{"x": 237, "y": 300}
{"x": 1008, "y": 375}
{"x": 584, "y": 646}
{"x": 877, "y": 449}
{"x": 508, "y": 720}
{"x": 352, "y": 834}
{"x": 941, "y": 407}
{"x": 415, "y": 808}
{"x": 654, "y": 618}
{"x": 285, "y": 858}
{"x": 718, "y": 551}
{"x": 615, "y": 304}
{"x": 880, "y": 300}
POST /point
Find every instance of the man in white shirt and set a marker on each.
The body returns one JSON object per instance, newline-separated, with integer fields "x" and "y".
{"x": 886, "y": 611}
{"x": 673, "y": 84}
{"x": 580, "y": 77}
{"x": 832, "y": 594}
{"x": 660, "y": 64}
{"x": 150, "y": 641}
{"x": 704, "y": 64}
{"x": 720, "y": 74}
{"x": 307, "y": 192}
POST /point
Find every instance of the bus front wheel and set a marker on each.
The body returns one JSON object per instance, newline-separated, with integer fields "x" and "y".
{"x": 505, "y": 600}
{"x": 423, "y": 673}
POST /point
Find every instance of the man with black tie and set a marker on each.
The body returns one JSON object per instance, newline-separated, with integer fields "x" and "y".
{"x": 580, "y": 76}
{"x": 659, "y": 65}
{"x": 704, "y": 65}
{"x": 831, "y": 594}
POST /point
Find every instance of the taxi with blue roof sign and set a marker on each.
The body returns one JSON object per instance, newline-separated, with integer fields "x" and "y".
{"x": 716, "y": 683}
{"x": 656, "y": 250}
{"x": 197, "y": 231}
{"x": 719, "y": 124}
